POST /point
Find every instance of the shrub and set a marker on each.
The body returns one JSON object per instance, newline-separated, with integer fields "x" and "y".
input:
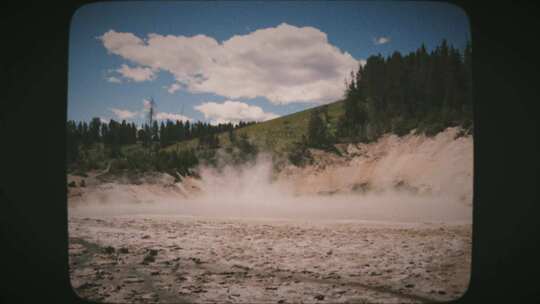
{"x": 402, "y": 126}
{"x": 434, "y": 128}
{"x": 118, "y": 165}
{"x": 299, "y": 154}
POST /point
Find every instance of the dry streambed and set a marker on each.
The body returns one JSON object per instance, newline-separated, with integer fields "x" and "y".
{"x": 151, "y": 259}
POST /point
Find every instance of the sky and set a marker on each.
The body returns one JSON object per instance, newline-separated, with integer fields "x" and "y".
{"x": 228, "y": 61}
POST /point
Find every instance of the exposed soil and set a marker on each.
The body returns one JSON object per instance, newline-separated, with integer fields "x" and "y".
{"x": 150, "y": 259}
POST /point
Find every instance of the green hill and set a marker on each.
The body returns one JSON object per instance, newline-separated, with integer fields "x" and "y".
{"x": 276, "y": 135}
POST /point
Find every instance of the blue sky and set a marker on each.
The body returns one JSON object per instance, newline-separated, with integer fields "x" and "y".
{"x": 206, "y": 62}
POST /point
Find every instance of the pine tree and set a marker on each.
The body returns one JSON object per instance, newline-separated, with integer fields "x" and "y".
{"x": 232, "y": 136}
{"x": 429, "y": 91}
{"x": 94, "y": 130}
{"x": 155, "y": 131}
{"x": 162, "y": 135}
{"x": 318, "y": 134}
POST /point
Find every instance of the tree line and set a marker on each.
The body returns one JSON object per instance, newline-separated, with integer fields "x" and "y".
{"x": 422, "y": 90}
{"x": 426, "y": 91}
{"x": 113, "y": 135}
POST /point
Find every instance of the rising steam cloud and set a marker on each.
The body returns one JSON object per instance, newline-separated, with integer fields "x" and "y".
{"x": 252, "y": 191}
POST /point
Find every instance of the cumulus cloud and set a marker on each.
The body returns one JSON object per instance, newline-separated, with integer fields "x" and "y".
{"x": 173, "y": 88}
{"x": 284, "y": 64}
{"x": 146, "y": 104}
{"x": 381, "y": 40}
{"x": 233, "y": 111}
{"x": 114, "y": 79}
{"x": 171, "y": 116}
{"x": 126, "y": 114}
{"x": 123, "y": 114}
{"x": 163, "y": 115}
{"x": 137, "y": 74}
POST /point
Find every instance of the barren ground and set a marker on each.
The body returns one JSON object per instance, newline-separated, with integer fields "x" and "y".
{"x": 149, "y": 259}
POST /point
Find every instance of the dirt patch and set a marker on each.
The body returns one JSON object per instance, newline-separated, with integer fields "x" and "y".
{"x": 250, "y": 261}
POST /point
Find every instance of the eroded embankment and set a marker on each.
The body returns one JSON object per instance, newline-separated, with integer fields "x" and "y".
{"x": 413, "y": 178}
{"x": 440, "y": 165}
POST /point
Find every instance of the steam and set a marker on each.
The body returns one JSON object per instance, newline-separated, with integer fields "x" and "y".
{"x": 252, "y": 191}
{"x": 407, "y": 179}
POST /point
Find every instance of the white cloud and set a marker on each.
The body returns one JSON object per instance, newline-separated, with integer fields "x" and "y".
{"x": 104, "y": 120}
{"x": 137, "y": 74}
{"x": 146, "y": 104}
{"x": 171, "y": 116}
{"x": 381, "y": 40}
{"x": 146, "y": 108}
{"x": 233, "y": 111}
{"x": 126, "y": 114}
{"x": 123, "y": 114}
{"x": 284, "y": 64}
{"x": 173, "y": 88}
{"x": 163, "y": 115}
{"x": 114, "y": 79}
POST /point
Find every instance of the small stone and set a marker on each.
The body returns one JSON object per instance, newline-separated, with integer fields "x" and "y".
{"x": 196, "y": 261}
{"x": 87, "y": 285}
{"x": 109, "y": 250}
{"x": 148, "y": 259}
{"x": 409, "y": 286}
{"x": 319, "y": 297}
{"x": 149, "y": 296}
{"x": 198, "y": 290}
{"x": 442, "y": 292}
{"x": 133, "y": 280}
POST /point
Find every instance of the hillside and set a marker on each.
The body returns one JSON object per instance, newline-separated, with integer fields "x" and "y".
{"x": 276, "y": 135}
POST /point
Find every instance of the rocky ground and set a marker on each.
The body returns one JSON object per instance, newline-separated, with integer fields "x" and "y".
{"x": 174, "y": 259}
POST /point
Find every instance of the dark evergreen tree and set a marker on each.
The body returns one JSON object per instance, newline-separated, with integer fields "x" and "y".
{"x": 162, "y": 135}
{"x": 232, "y": 136}
{"x": 248, "y": 151}
{"x": 318, "y": 134}
{"x": 155, "y": 131}
{"x": 94, "y": 130}
{"x": 427, "y": 91}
